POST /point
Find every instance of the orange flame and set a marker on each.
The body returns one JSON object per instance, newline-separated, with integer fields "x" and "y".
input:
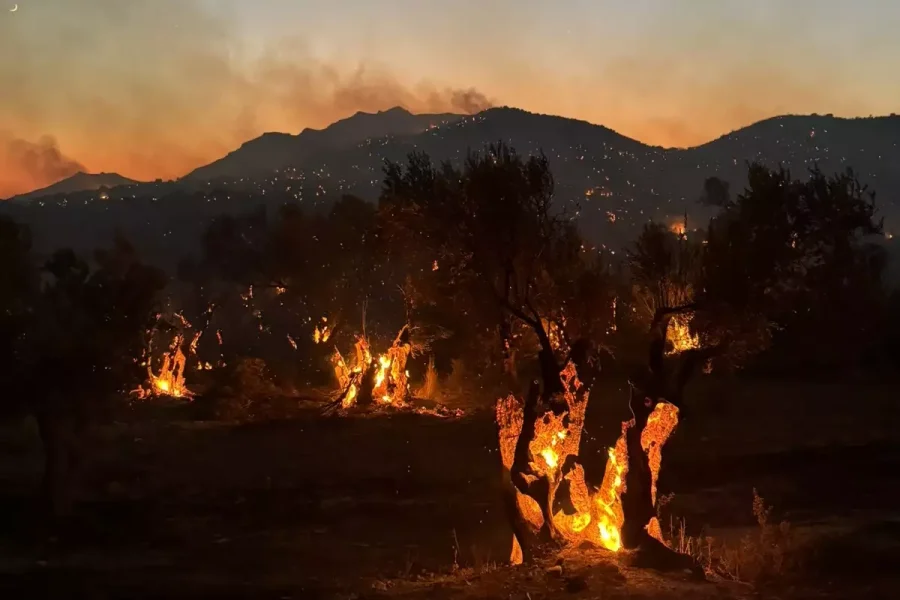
{"x": 170, "y": 379}
{"x": 391, "y": 376}
{"x": 679, "y": 334}
{"x": 598, "y": 515}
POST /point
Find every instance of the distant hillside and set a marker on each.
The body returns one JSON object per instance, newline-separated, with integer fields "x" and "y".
{"x": 612, "y": 183}
{"x": 79, "y": 182}
{"x": 616, "y": 183}
{"x": 273, "y": 151}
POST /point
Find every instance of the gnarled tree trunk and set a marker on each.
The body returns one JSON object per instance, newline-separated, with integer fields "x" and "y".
{"x": 546, "y": 495}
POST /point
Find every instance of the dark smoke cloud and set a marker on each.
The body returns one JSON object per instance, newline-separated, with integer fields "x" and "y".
{"x": 155, "y": 89}
{"x": 470, "y": 101}
{"x": 40, "y": 163}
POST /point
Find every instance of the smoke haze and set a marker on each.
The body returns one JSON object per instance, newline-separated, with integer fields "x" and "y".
{"x": 34, "y": 164}
{"x": 155, "y": 88}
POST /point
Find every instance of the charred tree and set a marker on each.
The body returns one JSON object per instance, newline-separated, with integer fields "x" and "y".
{"x": 520, "y": 478}
{"x": 648, "y": 390}
{"x": 372, "y": 380}
{"x": 366, "y": 397}
{"x": 547, "y": 498}
{"x": 539, "y": 440}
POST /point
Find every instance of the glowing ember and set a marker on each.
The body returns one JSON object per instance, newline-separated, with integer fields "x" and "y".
{"x": 598, "y": 515}
{"x": 679, "y": 334}
{"x": 322, "y": 332}
{"x": 554, "y": 332}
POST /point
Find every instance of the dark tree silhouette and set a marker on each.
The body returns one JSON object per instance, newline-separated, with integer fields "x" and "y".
{"x": 18, "y": 288}
{"x": 296, "y": 271}
{"x": 81, "y": 351}
{"x": 777, "y": 249}
{"x": 490, "y": 233}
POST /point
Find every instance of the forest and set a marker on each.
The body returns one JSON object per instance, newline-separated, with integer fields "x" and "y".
{"x": 465, "y": 291}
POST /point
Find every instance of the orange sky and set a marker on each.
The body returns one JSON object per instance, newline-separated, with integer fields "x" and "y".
{"x": 154, "y": 89}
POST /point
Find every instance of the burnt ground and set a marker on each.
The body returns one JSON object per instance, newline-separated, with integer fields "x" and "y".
{"x": 387, "y": 506}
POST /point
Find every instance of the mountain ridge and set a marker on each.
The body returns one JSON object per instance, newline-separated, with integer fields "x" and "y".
{"x": 272, "y": 151}
{"x": 78, "y": 182}
{"x": 275, "y": 150}
{"x": 611, "y": 183}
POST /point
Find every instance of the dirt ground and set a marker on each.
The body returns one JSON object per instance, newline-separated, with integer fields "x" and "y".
{"x": 408, "y": 506}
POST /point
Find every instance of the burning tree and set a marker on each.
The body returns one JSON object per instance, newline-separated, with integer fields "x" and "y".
{"x": 170, "y": 379}
{"x": 489, "y": 238}
{"x": 293, "y": 268}
{"x": 369, "y": 380}
{"x": 717, "y": 298}
{"x": 548, "y": 499}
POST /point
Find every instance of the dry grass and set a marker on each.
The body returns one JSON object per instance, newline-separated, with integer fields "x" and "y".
{"x": 430, "y": 388}
{"x": 770, "y": 551}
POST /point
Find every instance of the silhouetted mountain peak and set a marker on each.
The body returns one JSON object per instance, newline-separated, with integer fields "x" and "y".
{"x": 274, "y": 150}
{"x": 78, "y": 182}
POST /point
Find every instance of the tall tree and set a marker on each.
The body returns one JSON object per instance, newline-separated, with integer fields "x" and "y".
{"x": 489, "y": 234}
{"x": 82, "y": 350}
{"x": 18, "y": 289}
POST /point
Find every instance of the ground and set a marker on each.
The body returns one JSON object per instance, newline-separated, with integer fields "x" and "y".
{"x": 408, "y": 506}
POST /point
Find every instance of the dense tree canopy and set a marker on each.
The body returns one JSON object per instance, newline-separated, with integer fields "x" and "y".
{"x": 490, "y": 236}
{"x": 90, "y": 324}
{"x": 784, "y": 255}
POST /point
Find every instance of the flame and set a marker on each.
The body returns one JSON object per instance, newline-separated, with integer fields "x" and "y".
{"x": 321, "y": 335}
{"x": 598, "y": 515}
{"x": 391, "y": 383}
{"x": 170, "y": 379}
{"x": 679, "y": 334}
{"x": 350, "y": 399}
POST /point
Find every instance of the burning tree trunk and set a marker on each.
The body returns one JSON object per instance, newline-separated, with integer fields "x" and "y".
{"x": 548, "y": 499}
{"x": 655, "y": 402}
{"x": 372, "y": 381}
{"x": 170, "y": 379}
{"x": 546, "y": 495}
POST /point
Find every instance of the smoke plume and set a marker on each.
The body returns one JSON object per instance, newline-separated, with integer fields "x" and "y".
{"x": 155, "y": 89}
{"x": 37, "y": 164}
